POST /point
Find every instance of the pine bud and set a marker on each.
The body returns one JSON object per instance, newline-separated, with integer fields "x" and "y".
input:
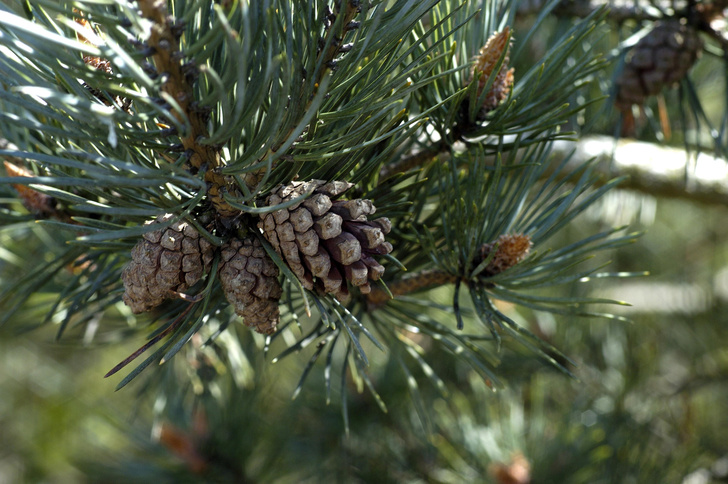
{"x": 485, "y": 63}
{"x": 510, "y": 249}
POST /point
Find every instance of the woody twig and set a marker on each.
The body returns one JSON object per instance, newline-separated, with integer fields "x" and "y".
{"x": 164, "y": 41}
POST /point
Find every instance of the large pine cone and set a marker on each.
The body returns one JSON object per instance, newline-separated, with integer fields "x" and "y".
{"x": 165, "y": 262}
{"x": 324, "y": 240}
{"x": 250, "y": 281}
{"x": 661, "y": 58}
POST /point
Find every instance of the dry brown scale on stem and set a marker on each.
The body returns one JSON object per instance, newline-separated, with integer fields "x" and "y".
{"x": 484, "y": 67}
{"x": 91, "y": 60}
{"x": 100, "y": 64}
{"x": 325, "y": 241}
{"x": 662, "y": 58}
{"x": 165, "y": 263}
{"x": 249, "y": 279}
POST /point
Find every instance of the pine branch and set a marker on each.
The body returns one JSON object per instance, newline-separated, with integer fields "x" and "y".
{"x": 423, "y": 280}
{"x": 417, "y": 159}
{"x": 164, "y": 42}
{"x": 315, "y": 118}
{"x": 650, "y": 168}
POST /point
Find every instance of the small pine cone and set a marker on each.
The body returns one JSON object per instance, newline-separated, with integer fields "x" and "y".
{"x": 510, "y": 249}
{"x": 249, "y": 279}
{"x": 485, "y": 63}
{"x": 661, "y": 58}
{"x": 39, "y": 203}
{"x": 165, "y": 262}
{"x": 325, "y": 241}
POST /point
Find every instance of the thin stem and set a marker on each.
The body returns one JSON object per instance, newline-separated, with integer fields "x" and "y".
{"x": 418, "y": 281}
{"x": 420, "y": 158}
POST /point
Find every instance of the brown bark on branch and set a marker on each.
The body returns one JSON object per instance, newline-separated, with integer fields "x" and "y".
{"x": 168, "y": 62}
{"x": 418, "y": 281}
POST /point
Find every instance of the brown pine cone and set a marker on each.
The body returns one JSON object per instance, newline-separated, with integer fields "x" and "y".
{"x": 325, "y": 240}
{"x": 165, "y": 262}
{"x": 250, "y": 281}
{"x": 661, "y": 58}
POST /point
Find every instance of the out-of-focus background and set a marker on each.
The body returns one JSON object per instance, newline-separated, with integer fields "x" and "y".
{"x": 647, "y": 403}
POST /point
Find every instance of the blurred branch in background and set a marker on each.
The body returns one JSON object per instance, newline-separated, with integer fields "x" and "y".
{"x": 619, "y": 10}
{"x": 657, "y": 170}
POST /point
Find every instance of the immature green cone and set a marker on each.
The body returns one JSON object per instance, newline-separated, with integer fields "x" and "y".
{"x": 249, "y": 279}
{"x": 326, "y": 241}
{"x": 165, "y": 262}
{"x": 662, "y": 58}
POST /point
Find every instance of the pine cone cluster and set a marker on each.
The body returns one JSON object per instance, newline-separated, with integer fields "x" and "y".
{"x": 661, "y": 58}
{"x": 165, "y": 262}
{"x": 484, "y": 66}
{"x": 326, "y": 241}
{"x": 249, "y": 279}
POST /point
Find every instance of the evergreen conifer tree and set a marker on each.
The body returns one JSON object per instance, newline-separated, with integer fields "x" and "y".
{"x": 305, "y": 181}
